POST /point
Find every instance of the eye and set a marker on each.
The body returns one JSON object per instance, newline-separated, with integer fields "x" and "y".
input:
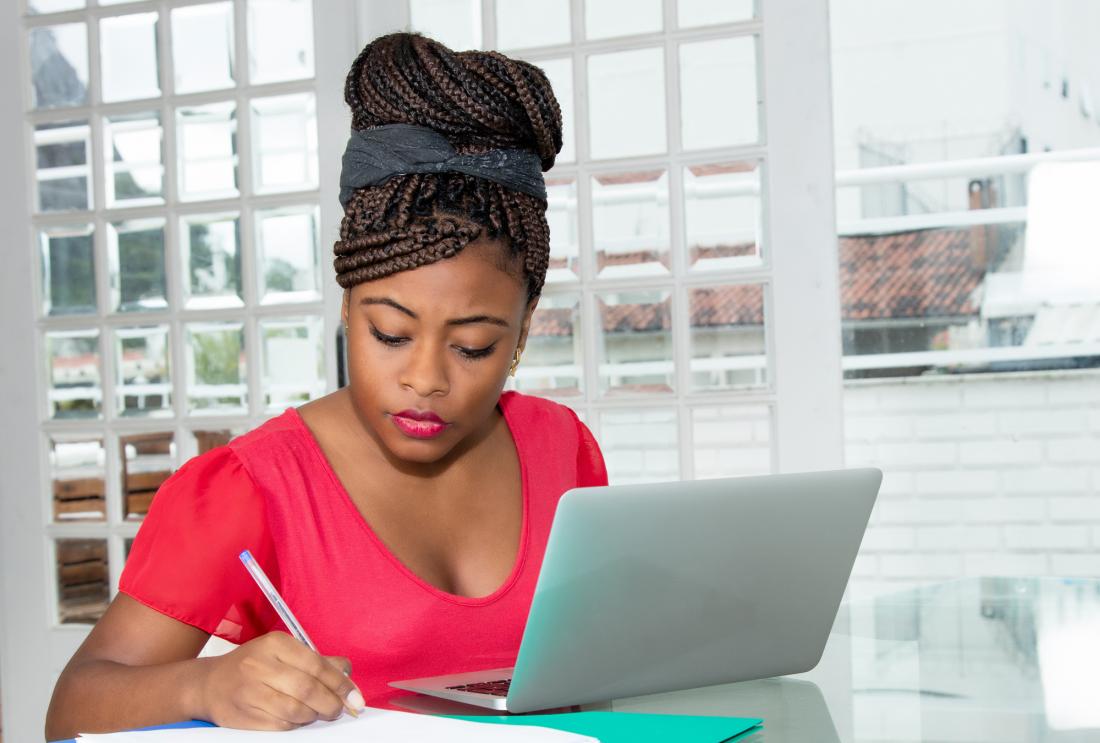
{"x": 476, "y": 353}
{"x": 389, "y": 340}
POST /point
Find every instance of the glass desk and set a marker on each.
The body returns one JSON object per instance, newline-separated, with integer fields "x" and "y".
{"x": 978, "y": 660}
{"x": 982, "y": 659}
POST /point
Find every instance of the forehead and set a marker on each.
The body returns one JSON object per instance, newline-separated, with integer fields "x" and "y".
{"x": 482, "y": 275}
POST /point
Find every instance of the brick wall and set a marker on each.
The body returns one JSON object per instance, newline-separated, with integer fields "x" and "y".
{"x": 994, "y": 474}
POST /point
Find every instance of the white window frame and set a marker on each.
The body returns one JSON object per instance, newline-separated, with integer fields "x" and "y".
{"x": 35, "y": 647}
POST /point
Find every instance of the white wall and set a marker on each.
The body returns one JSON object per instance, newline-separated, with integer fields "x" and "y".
{"x": 995, "y": 474}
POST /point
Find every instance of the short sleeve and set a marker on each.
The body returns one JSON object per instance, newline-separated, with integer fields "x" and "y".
{"x": 184, "y": 561}
{"x": 591, "y": 470}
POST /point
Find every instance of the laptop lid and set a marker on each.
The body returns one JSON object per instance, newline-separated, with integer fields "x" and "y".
{"x": 656, "y": 587}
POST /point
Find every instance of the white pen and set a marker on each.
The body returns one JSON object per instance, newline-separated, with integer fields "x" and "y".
{"x": 283, "y": 610}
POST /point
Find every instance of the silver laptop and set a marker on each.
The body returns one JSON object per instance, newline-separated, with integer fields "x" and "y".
{"x": 659, "y": 587}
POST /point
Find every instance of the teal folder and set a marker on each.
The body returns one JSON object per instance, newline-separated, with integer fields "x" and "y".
{"x": 632, "y": 727}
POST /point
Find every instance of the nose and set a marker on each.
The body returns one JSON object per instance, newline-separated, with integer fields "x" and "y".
{"x": 425, "y": 373}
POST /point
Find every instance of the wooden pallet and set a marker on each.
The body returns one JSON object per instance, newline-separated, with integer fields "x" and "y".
{"x": 140, "y": 487}
{"x": 80, "y": 498}
{"x": 82, "y": 580}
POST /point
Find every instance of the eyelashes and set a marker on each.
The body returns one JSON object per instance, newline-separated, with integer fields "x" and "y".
{"x": 395, "y": 341}
{"x": 387, "y": 340}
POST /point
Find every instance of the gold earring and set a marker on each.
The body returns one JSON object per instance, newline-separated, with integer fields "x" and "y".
{"x": 515, "y": 363}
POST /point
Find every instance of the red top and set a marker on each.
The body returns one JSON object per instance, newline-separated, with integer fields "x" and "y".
{"x": 272, "y": 491}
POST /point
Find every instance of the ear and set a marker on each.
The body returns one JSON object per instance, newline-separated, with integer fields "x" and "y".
{"x": 526, "y": 324}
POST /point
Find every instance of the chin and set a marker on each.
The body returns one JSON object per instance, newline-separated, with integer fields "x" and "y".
{"x": 424, "y": 451}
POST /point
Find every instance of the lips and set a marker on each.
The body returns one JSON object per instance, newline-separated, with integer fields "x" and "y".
{"x": 419, "y": 424}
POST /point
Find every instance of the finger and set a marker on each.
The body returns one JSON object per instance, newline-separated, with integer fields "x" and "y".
{"x": 322, "y": 669}
{"x": 341, "y": 663}
{"x": 308, "y": 690}
{"x": 283, "y": 706}
{"x": 260, "y": 719}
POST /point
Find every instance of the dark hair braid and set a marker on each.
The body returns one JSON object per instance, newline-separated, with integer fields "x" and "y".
{"x": 478, "y": 101}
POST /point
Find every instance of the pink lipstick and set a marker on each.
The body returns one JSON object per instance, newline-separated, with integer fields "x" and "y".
{"x": 419, "y": 424}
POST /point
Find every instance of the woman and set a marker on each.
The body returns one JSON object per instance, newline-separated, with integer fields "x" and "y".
{"x": 404, "y": 517}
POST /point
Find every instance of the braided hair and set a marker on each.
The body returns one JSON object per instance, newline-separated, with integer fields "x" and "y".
{"x": 479, "y": 101}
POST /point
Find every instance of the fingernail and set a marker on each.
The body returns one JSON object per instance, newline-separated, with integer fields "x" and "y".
{"x": 355, "y": 700}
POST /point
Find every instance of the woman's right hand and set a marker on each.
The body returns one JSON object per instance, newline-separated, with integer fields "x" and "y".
{"x": 275, "y": 682}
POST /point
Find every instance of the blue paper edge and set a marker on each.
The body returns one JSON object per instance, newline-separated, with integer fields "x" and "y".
{"x": 169, "y": 726}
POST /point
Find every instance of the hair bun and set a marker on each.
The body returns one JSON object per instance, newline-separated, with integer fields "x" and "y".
{"x": 477, "y": 99}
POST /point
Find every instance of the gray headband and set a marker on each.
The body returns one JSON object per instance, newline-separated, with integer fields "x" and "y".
{"x": 375, "y": 155}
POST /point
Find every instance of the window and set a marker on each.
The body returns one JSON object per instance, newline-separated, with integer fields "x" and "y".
{"x": 655, "y": 321}
{"x": 178, "y": 265}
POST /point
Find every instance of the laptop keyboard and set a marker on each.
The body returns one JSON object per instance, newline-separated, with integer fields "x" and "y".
{"x": 492, "y": 688}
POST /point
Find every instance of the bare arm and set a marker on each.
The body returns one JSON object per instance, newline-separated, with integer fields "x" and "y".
{"x": 138, "y": 667}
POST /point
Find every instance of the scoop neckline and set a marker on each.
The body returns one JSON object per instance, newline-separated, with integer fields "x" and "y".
{"x": 387, "y": 553}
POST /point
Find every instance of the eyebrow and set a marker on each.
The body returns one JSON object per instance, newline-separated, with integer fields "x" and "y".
{"x": 472, "y": 320}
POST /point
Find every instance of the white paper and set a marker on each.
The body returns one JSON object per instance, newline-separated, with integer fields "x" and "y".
{"x": 372, "y": 726}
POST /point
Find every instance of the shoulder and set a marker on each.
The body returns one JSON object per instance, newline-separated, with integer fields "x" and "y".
{"x": 557, "y": 435}
{"x": 225, "y": 472}
{"x": 273, "y": 433}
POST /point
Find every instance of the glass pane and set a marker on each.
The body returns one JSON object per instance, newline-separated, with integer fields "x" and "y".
{"x": 72, "y": 356}
{"x": 692, "y": 13}
{"x": 626, "y": 101}
{"x": 284, "y": 143}
{"x": 280, "y": 40}
{"x": 606, "y": 18}
{"x": 971, "y": 299}
{"x": 141, "y": 362}
{"x": 52, "y": 6}
{"x": 135, "y": 251}
{"x": 287, "y": 254}
{"x": 640, "y": 445}
{"x": 68, "y": 270}
{"x": 133, "y": 145}
{"x": 62, "y": 157}
{"x": 59, "y": 65}
{"x": 560, "y": 74}
{"x": 901, "y": 197}
{"x": 207, "y": 151}
{"x": 731, "y": 440}
{"x": 147, "y": 460}
{"x": 927, "y": 289}
{"x": 722, "y": 215}
{"x": 77, "y": 471}
{"x": 635, "y": 341}
{"x": 728, "y": 342}
{"x": 455, "y": 23}
{"x": 216, "y": 381}
{"x": 528, "y": 23}
{"x": 83, "y": 580}
{"x": 128, "y": 53}
{"x": 551, "y": 361}
{"x": 630, "y": 231}
{"x": 117, "y": 2}
{"x": 210, "y": 249}
{"x": 561, "y": 215}
{"x": 202, "y": 47}
{"x": 293, "y": 361}
{"x": 718, "y": 99}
